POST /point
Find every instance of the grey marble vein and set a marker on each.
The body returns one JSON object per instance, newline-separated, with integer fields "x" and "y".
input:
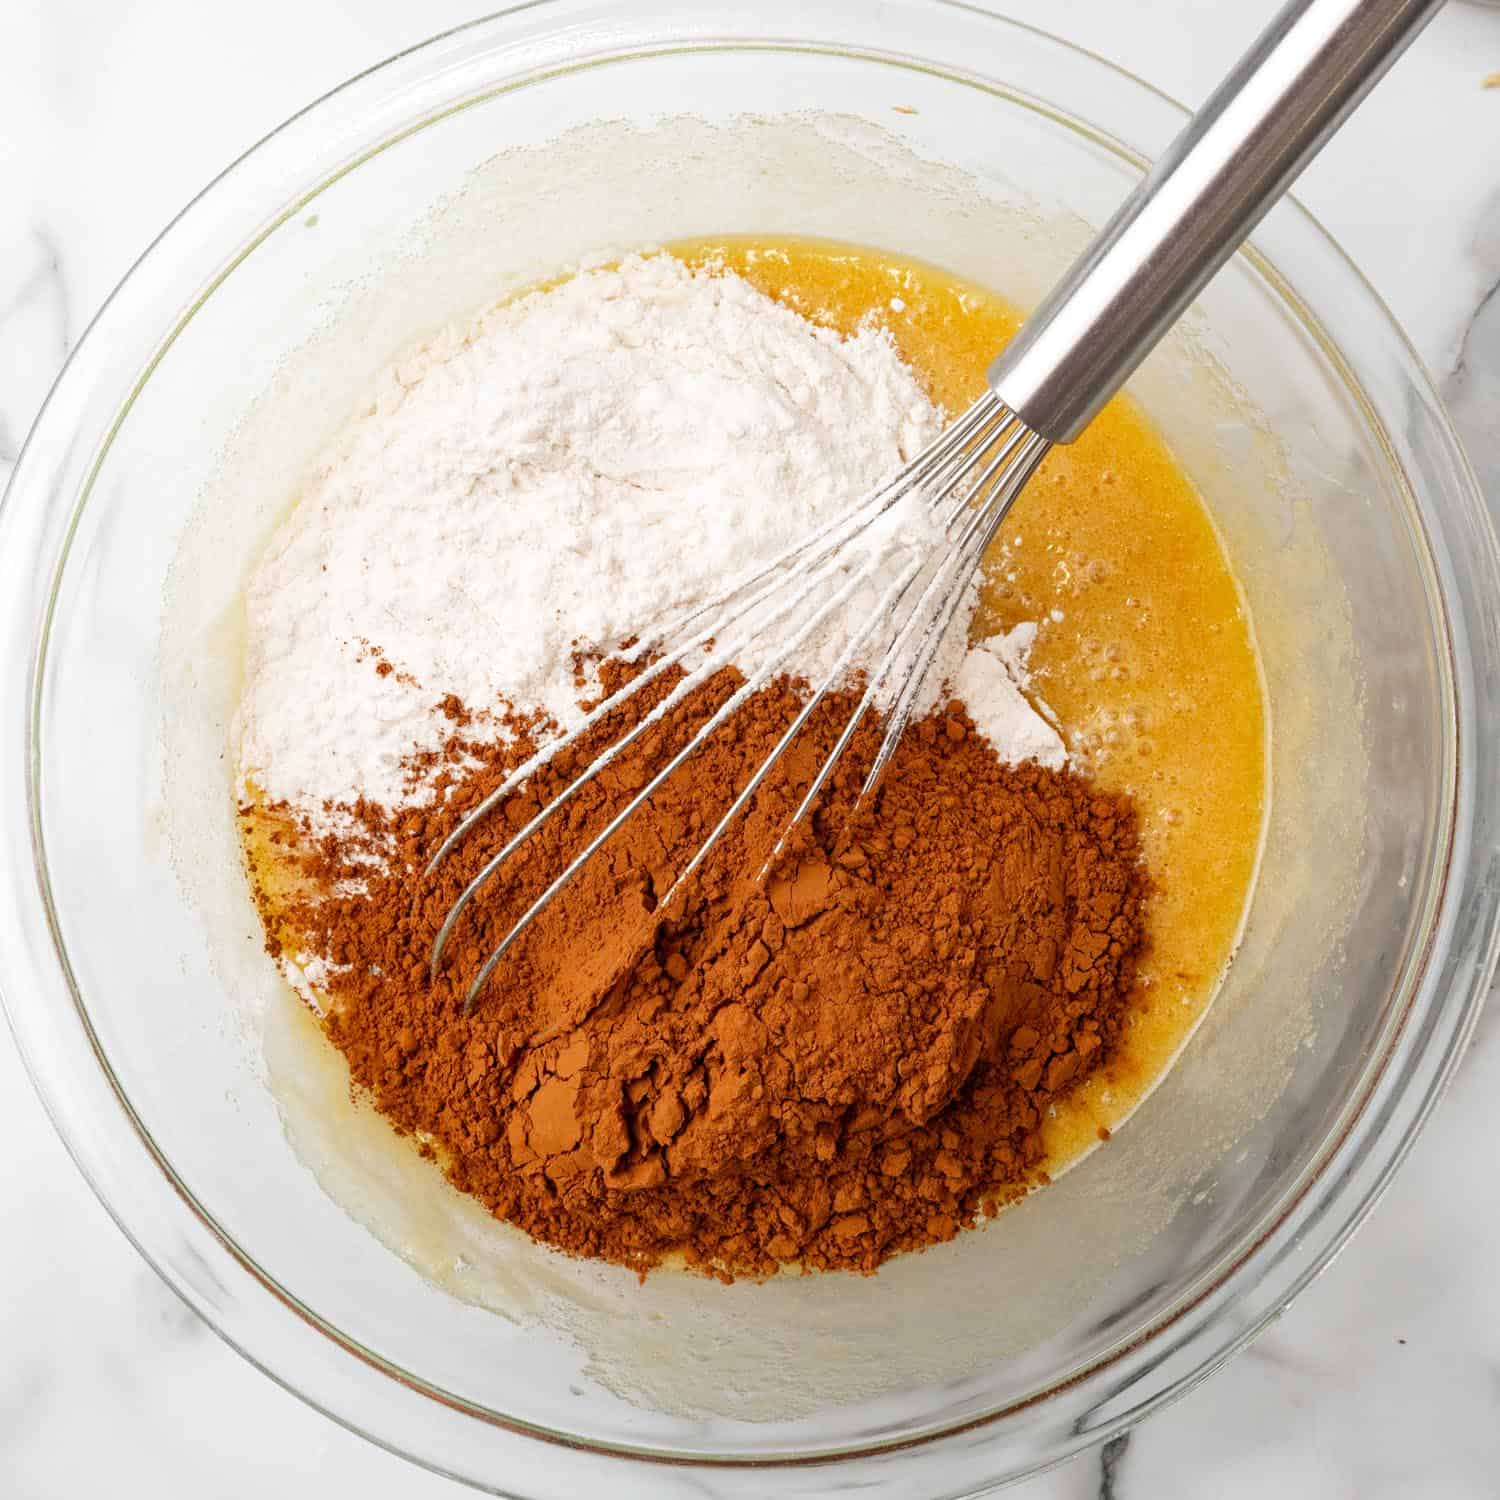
{"x": 1271, "y": 1350}
{"x": 1471, "y": 387}
{"x": 36, "y": 332}
{"x": 47, "y": 283}
{"x": 1111, "y": 1456}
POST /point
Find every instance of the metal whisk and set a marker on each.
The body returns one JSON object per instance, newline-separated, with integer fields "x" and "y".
{"x": 918, "y": 539}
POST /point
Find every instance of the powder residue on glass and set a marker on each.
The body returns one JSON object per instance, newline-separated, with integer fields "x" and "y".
{"x": 933, "y": 1003}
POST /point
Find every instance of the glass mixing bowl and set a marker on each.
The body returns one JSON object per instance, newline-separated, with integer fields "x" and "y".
{"x": 171, "y": 1059}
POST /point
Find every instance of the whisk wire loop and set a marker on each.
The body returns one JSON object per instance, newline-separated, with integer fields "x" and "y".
{"x": 962, "y": 484}
{"x": 689, "y": 684}
{"x": 720, "y": 715}
{"x": 960, "y": 566}
{"x": 988, "y": 522}
{"x": 980, "y": 422}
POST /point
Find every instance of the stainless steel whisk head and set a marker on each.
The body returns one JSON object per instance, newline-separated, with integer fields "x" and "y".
{"x": 1294, "y": 87}
{"x": 960, "y": 487}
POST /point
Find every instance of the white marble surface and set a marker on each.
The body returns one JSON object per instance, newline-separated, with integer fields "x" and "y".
{"x": 1382, "y": 1381}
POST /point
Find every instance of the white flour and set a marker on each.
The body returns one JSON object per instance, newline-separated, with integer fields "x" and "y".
{"x": 566, "y": 470}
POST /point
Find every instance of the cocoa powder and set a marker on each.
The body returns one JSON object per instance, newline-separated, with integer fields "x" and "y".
{"x": 849, "y": 1058}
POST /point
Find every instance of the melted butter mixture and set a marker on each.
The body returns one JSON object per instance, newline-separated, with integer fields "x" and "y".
{"x": 1151, "y": 668}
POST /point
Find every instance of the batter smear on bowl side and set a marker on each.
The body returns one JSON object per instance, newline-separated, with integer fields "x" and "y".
{"x": 932, "y": 1002}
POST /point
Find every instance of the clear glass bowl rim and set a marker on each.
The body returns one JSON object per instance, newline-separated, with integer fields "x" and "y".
{"x": 51, "y": 485}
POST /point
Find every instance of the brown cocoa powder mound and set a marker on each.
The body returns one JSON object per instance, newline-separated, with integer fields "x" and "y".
{"x": 848, "y": 1059}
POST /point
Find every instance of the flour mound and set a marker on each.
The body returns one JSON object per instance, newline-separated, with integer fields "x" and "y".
{"x": 559, "y": 474}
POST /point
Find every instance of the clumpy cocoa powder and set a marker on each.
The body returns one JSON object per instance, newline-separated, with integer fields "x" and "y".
{"x": 846, "y": 1059}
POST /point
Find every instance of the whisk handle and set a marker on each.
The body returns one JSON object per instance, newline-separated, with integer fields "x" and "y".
{"x": 1235, "y": 157}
